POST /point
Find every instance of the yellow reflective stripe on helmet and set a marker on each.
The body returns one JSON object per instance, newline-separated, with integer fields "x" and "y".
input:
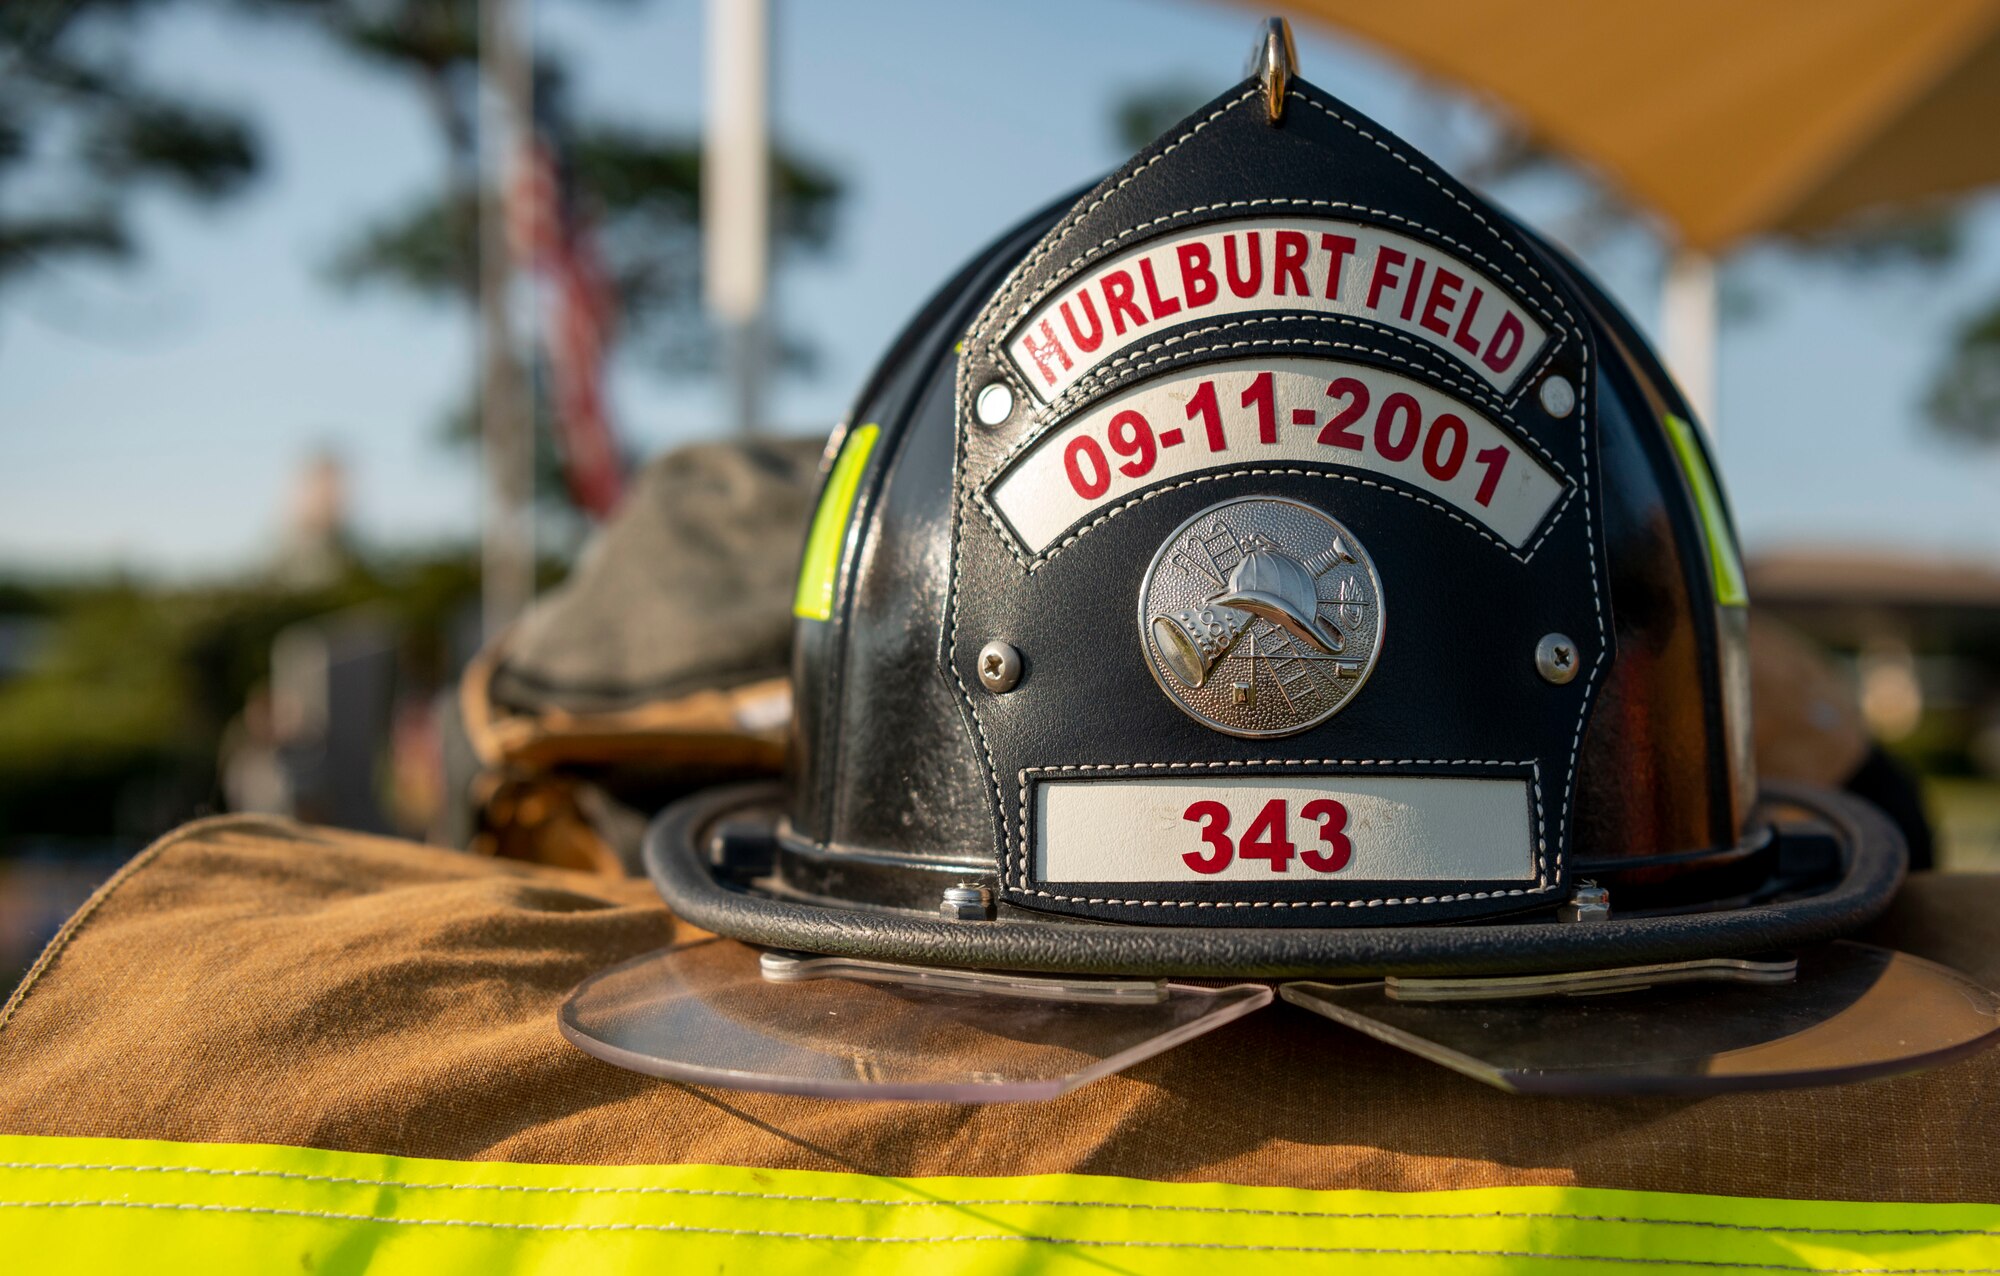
{"x": 814, "y": 601}
{"x": 1723, "y": 559}
{"x": 92, "y": 1205}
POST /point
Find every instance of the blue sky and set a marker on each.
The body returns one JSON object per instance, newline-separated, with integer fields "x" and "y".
{"x": 152, "y": 419}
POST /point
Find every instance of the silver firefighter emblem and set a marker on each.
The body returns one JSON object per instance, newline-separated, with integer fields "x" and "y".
{"x": 1261, "y": 616}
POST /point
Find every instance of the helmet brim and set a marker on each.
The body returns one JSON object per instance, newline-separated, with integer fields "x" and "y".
{"x": 710, "y": 857}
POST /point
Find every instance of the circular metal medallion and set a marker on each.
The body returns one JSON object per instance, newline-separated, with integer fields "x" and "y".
{"x": 1261, "y": 616}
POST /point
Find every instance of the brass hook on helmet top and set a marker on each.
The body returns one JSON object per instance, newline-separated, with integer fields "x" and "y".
{"x": 1275, "y": 61}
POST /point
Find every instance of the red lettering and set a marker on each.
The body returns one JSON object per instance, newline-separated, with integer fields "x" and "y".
{"x": 1241, "y": 286}
{"x": 1162, "y": 306}
{"x": 1096, "y": 337}
{"x": 1262, "y": 394}
{"x": 1205, "y": 406}
{"x": 1415, "y": 290}
{"x": 1444, "y": 448}
{"x": 1508, "y": 335}
{"x": 1118, "y": 299}
{"x": 1495, "y": 460}
{"x": 1197, "y": 280}
{"x": 1463, "y": 337}
{"x": 1386, "y": 442}
{"x": 1385, "y": 261}
{"x": 1336, "y": 433}
{"x": 1050, "y": 347}
{"x": 1132, "y": 435}
{"x": 1268, "y": 837}
{"x": 1089, "y": 486}
{"x": 1332, "y": 817}
{"x": 1214, "y": 820}
{"x": 1338, "y": 247}
{"x": 1444, "y": 293}
{"x": 1291, "y": 251}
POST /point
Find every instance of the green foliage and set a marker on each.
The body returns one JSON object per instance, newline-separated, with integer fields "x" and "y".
{"x": 205, "y": 154}
{"x": 33, "y": 240}
{"x": 1964, "y": 399}
{"x": 1141, "y": 115}
{"x": 1928, "y": 238}
{"x": 115, "y": 729}
{"x": 430, "y": 248}
{"x": 639, "y": 188}
{"x": 85, "y": 133}
{"x": 644, "y": 194}
{"x": 108, "y": 685}
{"x": 108, "y": 711}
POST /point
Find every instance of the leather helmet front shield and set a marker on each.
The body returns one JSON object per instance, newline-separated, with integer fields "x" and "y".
{"x": 1259, "y": 350}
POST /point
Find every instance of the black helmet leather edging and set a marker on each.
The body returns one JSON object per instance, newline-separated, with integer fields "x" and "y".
{"x": 1273, "y": 562}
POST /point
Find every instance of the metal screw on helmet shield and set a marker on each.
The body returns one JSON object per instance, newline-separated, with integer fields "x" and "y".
{"x": 994, "y": 404}
{"x": 1556, "y": 658}
{"x": 1558, "y": 396}
{"x": 999, "y": 667}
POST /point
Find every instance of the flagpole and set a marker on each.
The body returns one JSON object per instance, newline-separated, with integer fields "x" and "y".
{"x": 506, "y": 409}
{"x": 736, "y": 198}
{"x": 1689, "y": 319}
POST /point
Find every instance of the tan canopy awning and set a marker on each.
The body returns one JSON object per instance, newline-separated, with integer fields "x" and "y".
{"x": 1728, "y": 118}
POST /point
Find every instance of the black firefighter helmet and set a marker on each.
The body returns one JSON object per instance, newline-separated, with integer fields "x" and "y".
{"x": 1274, "y": 563}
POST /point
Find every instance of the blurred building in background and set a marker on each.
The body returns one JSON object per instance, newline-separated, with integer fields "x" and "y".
{"x": 1919, "y": 638}
{"x": 313, "y": 549}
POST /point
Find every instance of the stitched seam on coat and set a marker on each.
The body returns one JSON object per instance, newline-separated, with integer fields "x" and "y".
{"x": 943, "y": 1202}
{"x": 70, "y": 929}
{"x": 987, "y": 1238}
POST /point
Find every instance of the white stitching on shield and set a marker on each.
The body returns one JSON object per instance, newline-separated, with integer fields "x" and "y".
{"x": 1031, "y": 561}
{"x": 1093, "y": 379}
{"x": 1140, "y": 498}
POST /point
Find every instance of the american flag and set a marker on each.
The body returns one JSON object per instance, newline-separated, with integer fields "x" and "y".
{"x": 582, "y": 311}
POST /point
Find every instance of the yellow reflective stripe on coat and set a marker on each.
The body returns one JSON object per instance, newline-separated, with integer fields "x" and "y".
{"x": 814, "y": 600}
{"x": 95, "y": 1205}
